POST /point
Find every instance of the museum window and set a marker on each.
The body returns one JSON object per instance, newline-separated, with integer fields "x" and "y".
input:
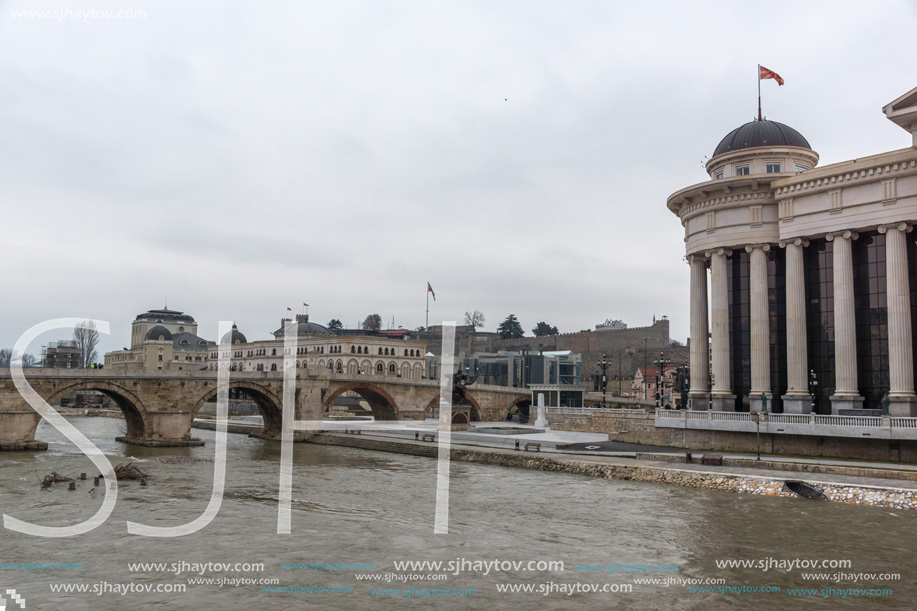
{"x": 742, "y": 171}
{"x": 391, "y": 368}
{"x": 353, "y": 350}
{"x": 871, "y": 315}
{"x": 819, "y": 290}
{"x": 719, "y": 175}
{"x": 379, "y": 368}
{"x": 739, "y": 327}
{"x": 773, "y": 168}
{"x": 799, "y": 168}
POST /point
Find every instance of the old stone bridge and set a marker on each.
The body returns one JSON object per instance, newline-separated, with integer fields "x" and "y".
{"x": 159, "y": 408}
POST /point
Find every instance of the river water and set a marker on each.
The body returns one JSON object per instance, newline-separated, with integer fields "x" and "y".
{"x": 370, "y": 508}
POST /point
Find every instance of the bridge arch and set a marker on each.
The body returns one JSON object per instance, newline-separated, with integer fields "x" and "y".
{"x": 433, "y": 405}
{"x": 269, "y": 404}
{"x": 382, "y": 404}
{"x": 135, "y": 414}
{"x": 523, "y": 403}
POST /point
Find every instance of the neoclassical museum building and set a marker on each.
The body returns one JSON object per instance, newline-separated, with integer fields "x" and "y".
{"x": 812, "y": 275}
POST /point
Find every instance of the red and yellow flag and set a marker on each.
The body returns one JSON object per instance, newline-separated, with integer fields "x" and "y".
{"x": 764, "y": 73}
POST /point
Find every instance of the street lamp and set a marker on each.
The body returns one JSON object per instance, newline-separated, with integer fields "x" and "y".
{"x": 644, "y": 367}
{"x": 757, "y": 419}
{"x": 660, "y": 385}
{"x": 603, "y": 365}
{"x": 813, "y": 386}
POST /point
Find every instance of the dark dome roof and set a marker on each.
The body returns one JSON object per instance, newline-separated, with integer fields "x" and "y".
{"x": 159, "y": 332}
{"x": 306, "y": 328}
{"x": 165, "y": 314}
{"x": 234, "y": 336}
{"x": 760, "y": 133}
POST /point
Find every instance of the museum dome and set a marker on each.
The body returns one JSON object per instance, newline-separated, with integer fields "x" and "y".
{"x": 763, "y": 133}
{"x": 234, "y": 337}
{"x": 159, "y": 333}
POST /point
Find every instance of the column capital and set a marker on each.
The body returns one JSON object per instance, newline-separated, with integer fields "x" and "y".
{"x": 846, "y": 234}
{"x": 718, "y": 251}
{"x": 795, "y": 242}
{"x": 697, "y": 257}
{"x": 764, "y": 247}
{"x": 901, "y": 226}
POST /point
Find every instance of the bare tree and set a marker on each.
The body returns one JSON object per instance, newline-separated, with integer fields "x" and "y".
{"x": 373, "y": 322}
{"x": 7, "y": 356}
{"x": 474, "y": 319}
{"x": 86, "y": 338}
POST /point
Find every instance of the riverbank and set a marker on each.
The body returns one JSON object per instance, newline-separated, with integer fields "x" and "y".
{"x": 836, "y": 488}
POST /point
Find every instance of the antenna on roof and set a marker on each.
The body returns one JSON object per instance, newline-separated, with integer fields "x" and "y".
{"x": 166, "y": 307}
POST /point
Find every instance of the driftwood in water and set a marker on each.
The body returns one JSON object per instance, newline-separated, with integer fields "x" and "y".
{"x": 54, "y": 478}
{"x": 129, "y": 471}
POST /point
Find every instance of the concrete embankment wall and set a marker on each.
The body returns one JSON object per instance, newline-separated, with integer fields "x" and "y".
{"x": 641, "y": 428}
{"x": 745, "y": 484}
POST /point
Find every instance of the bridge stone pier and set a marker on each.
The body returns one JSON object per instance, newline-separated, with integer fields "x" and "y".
{"x": 159, "y": 408}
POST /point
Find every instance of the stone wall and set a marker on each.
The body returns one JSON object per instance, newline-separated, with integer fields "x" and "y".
{"x": 744, "y": 484}
{"x": 641, "y": 428}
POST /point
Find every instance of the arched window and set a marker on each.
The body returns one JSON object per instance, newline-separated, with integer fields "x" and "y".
{"x": 386, "y": 352}
{"x": 379, "y": 367}
{"x": 405, "y": 352}
{"x": 391, "y": 368}
{"x": 274, "y": 352}
{"x": 340, "y": 367}
{"x": 353, "y": 350}
{"x": 380, "y": 350}
{"x": 273, "y": 366}
{"x": 297, "y": 364}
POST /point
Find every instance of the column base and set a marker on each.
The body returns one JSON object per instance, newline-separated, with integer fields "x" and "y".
{"x": 757, "y": 404}
{"x": 723, "y": 403}
{"x": 843, "y": 405}
{"x": 698, "y": 402}
{"x": 797, "y": 404}
{"x": 905, "y": 407}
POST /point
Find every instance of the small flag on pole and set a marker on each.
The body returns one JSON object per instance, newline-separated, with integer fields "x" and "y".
{"x": 764, "y": 73}
{"x": 430, "y": 290}
{"x": 305, "y": 304}
{"x": 289, "y": 309}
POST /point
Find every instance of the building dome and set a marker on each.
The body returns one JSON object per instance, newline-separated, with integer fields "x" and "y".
{"x": 234, "y": 337}
{"x": 303, "y": 327}
{"x": 308, "y": 328}
{"x": 762, "y": 133}
{"x": 159, "y": 333}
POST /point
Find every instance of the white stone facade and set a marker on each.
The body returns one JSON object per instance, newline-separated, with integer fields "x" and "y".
{"x": 764, "y": 196}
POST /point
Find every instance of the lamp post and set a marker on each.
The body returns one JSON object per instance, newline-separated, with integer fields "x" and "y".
{"x": 813, "y": 386}
{"x": 757, "y": 419}
{"x": 603, "y": 365}
{"x": 661, "y": 362}
{"x": 644, "y": 367}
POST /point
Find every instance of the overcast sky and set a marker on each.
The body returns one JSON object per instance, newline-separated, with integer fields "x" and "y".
{"x": 241, "y": 158}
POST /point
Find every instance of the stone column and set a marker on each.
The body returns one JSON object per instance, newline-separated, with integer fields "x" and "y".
{"x": 721, "y": 395}
{"x": 760, "y": 328}
{"x": 900, "y": 344}
{"x": 797, "y": 399}
{"x": 846, "y": 395}
{"x": 700, "y": 349}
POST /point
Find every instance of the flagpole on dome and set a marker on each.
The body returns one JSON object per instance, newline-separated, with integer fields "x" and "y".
{"x": 759, "y": 92}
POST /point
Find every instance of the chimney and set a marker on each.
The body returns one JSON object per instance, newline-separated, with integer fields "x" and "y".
{"x": 283, "y": 322}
